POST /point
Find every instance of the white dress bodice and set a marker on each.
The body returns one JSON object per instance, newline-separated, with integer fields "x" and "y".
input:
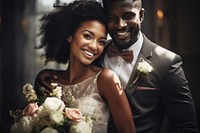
{"x": 89, "y": 101}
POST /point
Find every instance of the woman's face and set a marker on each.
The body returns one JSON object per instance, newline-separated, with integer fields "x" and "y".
{"x": 88, "y": 42}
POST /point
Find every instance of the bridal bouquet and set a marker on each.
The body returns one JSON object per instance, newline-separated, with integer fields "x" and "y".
{"x": 49, "y": 114}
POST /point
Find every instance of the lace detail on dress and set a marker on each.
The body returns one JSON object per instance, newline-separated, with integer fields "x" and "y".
{"x": 90, "y": 102}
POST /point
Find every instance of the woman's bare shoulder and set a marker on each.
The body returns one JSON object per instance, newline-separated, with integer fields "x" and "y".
{"x": 108, "y": 82}
{"x": 107, "y": 74}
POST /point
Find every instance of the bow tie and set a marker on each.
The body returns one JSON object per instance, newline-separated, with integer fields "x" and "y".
{"x": 126, "y": 55}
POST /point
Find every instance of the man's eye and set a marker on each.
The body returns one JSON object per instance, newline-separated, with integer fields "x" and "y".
{"x": 128, "y": 16}
{"x": 111, "y": 19}
{"x": 87, "y": 36}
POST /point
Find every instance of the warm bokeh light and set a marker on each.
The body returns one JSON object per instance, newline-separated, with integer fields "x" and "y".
{"x": 160, "y": 14}
{"x": 24, "y": 23}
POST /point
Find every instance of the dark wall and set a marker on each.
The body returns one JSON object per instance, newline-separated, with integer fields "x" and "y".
{"x": 180, "y": 32}
{"x": 12, "y": 45}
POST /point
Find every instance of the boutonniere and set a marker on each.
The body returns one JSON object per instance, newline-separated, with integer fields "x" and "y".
{"x": 143, "y": 69}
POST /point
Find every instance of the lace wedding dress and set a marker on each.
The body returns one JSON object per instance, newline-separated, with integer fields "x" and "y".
{"x": 90, "y": 102}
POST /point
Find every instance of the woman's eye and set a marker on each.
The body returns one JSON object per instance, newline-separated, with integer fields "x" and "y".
{"x": 102, "y": 42}
{"x": 86, "y": 36}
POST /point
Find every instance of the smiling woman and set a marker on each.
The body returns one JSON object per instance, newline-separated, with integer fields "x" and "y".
{"x": 88, "y": 42}
{"x": 76, "y": 33}
{"x": 65, "y": 25}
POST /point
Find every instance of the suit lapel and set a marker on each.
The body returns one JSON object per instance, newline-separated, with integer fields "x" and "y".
{"x": 130, "y": 89}
{"x": 145, "y": 54}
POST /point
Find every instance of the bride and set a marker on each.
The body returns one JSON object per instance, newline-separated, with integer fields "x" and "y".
{"x": 76, "y": 33}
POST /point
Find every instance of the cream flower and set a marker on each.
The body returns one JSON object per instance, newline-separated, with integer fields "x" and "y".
{"x": 57, "y": 92}
{"x": 81, "y": 127}
{"x": 29, "y": 92}
{"x": 57, "y": 117}
{"x": 144, "y": 67}
{"x": 54, "y": 104}
{"x": 41, "y": 112}
{"x": 23, "y": 126}
{"x": 54, "y": 85}
{"x": 49, "y": 130}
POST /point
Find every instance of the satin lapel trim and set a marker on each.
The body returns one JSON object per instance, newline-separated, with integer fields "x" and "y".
{"x": 146, "y": 53}
{"x": 130, "y": 89}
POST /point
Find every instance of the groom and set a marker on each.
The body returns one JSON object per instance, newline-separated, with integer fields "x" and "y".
{"x": 163, "y": 91}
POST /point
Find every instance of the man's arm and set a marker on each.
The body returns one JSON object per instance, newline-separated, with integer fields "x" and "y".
{"x": 178, "y": 100}
{"x": 43, "y": 81}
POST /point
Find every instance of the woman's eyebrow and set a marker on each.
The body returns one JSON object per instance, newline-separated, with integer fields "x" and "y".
{"x": 94, "y": 34}
{"x": 89, "y": 31}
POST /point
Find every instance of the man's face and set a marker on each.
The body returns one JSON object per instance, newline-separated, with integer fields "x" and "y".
{"x": 124, "y": 22}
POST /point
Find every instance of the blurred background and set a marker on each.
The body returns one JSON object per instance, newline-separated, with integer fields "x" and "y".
{"x": 173, "y": 24}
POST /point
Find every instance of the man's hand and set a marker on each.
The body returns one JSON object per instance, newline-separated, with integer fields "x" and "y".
{"x": 44, "y": 80}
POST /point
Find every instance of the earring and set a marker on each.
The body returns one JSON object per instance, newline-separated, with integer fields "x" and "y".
{"x": 69, "y": 39}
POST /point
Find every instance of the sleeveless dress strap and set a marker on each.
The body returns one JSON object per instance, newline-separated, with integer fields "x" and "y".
{"x": 95, "y": 79}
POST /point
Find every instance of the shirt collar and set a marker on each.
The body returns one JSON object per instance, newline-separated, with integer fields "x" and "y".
{"x": 138, "y": 44}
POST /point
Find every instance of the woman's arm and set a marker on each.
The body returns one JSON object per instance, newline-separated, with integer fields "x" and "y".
{"x": 111, "y": 90}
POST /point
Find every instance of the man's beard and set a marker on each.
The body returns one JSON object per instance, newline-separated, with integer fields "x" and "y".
{"x": 126, "y": 45}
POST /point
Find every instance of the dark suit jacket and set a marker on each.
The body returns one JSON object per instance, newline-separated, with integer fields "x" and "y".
{"x": 164, "y": 92}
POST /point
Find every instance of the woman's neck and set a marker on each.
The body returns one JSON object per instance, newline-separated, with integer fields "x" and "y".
{"x": 77, "y": 72}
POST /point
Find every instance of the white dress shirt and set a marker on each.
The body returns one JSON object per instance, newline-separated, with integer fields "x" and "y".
{"x": 122, "y": 68}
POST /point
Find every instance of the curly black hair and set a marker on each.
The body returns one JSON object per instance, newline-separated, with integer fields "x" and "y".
{"x": 62, "y": 22}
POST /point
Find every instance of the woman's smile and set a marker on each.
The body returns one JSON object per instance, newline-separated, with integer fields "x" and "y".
{"x": 88, "y": 53}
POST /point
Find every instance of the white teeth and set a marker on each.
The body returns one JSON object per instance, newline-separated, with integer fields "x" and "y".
{"x": 121, "y": 33}
{"x": 88, "y": 53}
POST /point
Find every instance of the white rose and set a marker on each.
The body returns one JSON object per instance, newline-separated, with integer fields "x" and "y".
{"x": 57, "y": 117}
{"x": 23, "y": 126}
{"x": 41, "y": 112}
{"x": 54, "y": 104}
{"x": 81, "y": 127}
{"x": 49, "y": 130}
{"x": 144, "y": 67}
